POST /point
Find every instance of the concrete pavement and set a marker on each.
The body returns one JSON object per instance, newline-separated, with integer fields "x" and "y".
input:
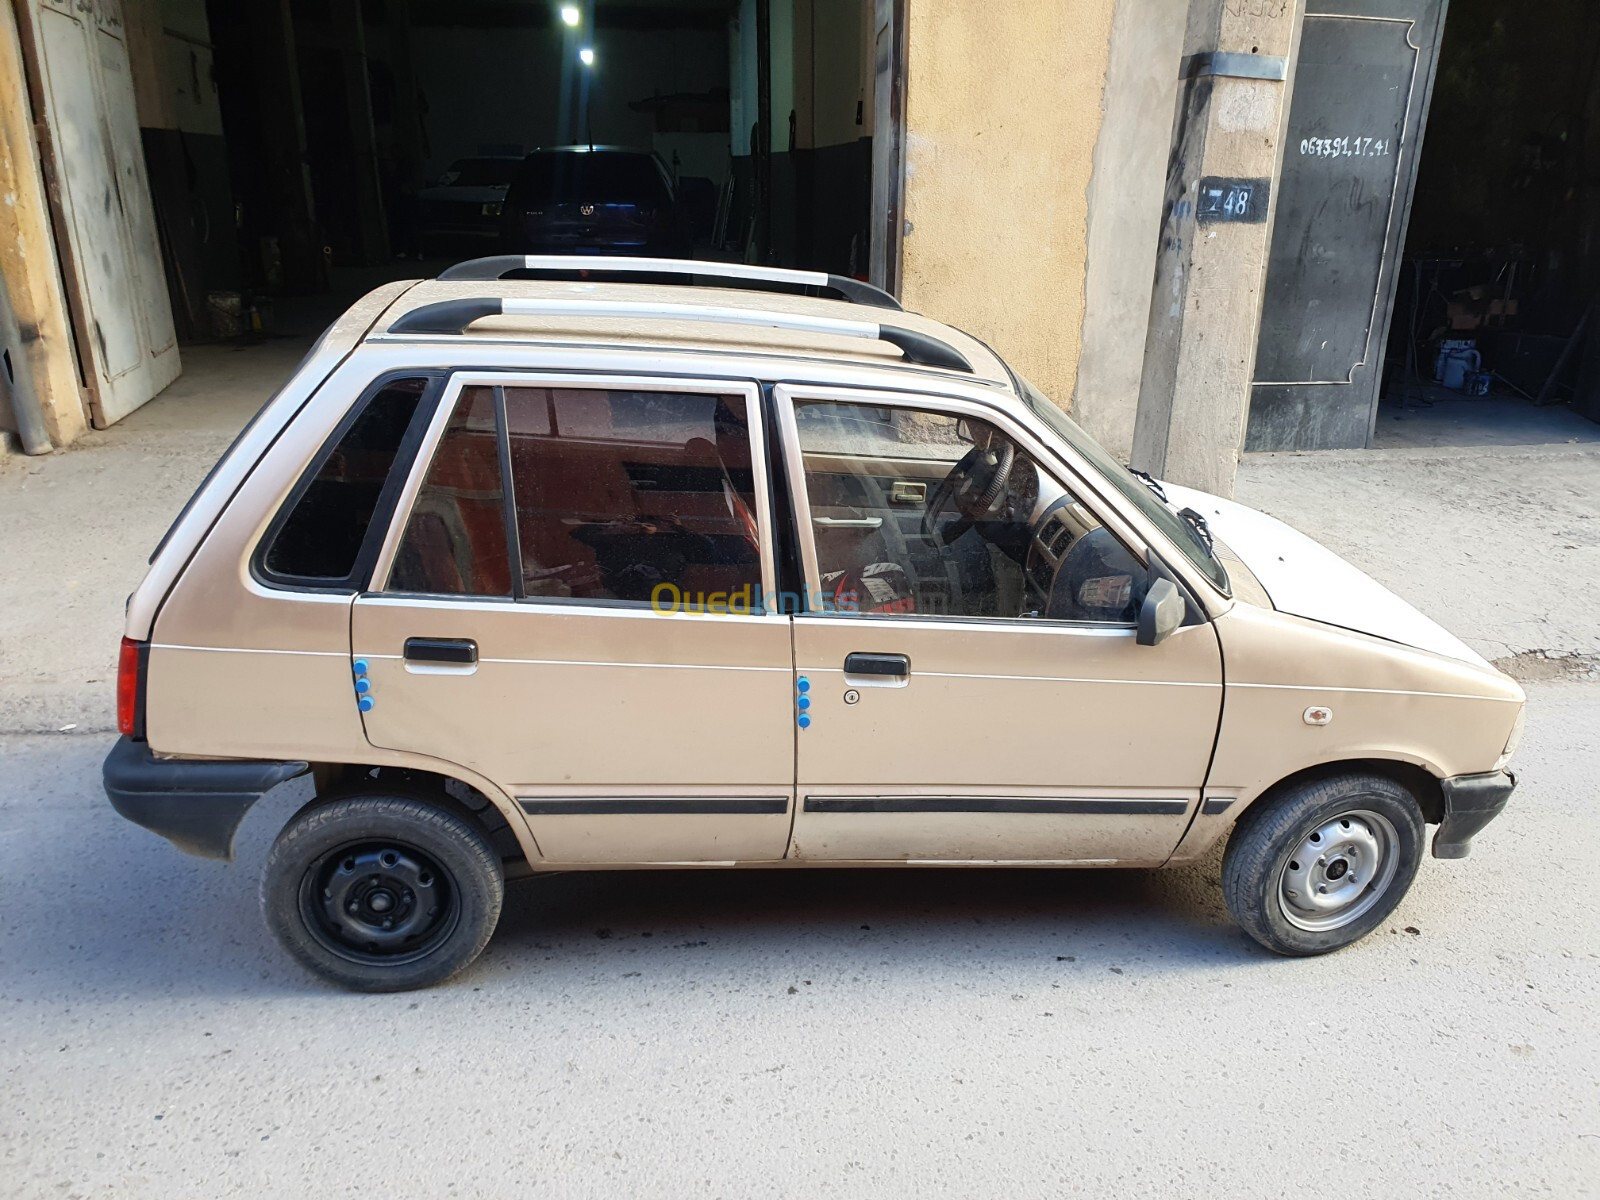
{"x": 803, "y": 1033}
{"x": 789, "y": 1032}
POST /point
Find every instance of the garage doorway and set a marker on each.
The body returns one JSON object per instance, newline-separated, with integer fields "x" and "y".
{"x": 1496, "y": 330}
{"x": 362, "y": 134}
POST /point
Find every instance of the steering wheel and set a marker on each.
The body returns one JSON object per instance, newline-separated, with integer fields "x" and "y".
{"x": 975, "y": 484}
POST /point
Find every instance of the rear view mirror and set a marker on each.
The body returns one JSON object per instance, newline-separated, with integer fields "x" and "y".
{"x": 1161, "y": 615}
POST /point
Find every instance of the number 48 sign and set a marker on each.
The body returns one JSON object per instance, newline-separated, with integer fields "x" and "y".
{"x": 1231, "y": 200}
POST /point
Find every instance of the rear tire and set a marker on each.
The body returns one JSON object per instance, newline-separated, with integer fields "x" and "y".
{"x": 382, "y": 893}
{"x": 1322, "y": 864}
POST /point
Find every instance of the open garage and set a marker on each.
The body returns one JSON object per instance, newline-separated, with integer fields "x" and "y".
{"x": 296, "y": 152}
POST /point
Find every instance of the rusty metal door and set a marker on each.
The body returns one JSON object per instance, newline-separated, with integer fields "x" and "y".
{"x": 104, "y": 222}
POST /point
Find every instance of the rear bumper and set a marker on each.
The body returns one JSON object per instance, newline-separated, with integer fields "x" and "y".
{"x": 196, "y": 804}
{"x": 1470, "y": 803}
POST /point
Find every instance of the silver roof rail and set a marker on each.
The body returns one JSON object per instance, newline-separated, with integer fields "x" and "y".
{"x": 502, "y": 266}
{"x": 453, "y": 316}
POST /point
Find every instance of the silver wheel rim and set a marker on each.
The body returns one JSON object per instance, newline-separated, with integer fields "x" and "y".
{"x": 1339, "y": 871}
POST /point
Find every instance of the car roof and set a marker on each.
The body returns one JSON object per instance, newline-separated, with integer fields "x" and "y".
{"x": 682, "y": 332}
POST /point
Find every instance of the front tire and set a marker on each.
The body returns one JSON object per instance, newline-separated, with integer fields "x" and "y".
{"x": 1322, "y": 864}
{"x": 382, "y": 893}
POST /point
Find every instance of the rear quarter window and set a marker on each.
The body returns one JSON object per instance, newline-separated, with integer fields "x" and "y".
{"x": 322, "y": 536}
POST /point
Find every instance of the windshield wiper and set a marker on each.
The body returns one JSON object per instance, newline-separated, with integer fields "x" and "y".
{"x": 1201, "y": 528}
{"x": 1150, "y": 481}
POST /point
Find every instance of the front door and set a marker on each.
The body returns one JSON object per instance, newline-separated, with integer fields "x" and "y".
{"x": 597, "y": 646}
{"x": 970, "y": 684}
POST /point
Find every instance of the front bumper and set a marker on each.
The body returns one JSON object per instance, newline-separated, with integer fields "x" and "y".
{"x": 196, "y": 804}
{"x": 1470, "y": 803}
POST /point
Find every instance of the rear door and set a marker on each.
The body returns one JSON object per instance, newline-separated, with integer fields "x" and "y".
{"x": 598, "y": 645}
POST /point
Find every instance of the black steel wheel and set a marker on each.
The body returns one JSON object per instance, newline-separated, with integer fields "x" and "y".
{"x": 382, "y": 893}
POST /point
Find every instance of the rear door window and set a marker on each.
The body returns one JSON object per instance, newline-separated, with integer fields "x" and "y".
{"x": 617, "y": 496}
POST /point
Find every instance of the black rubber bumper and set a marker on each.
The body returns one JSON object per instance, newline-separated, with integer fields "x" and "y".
{"x": 196, "y": 804}
{"x": 1470, "y": 803}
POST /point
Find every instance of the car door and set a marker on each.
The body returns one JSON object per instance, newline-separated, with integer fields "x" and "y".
{"x": 982, "y": 699}
{"x": 572, "y": 606}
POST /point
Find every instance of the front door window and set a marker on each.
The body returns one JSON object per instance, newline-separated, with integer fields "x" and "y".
{"x": 926, "y": 513}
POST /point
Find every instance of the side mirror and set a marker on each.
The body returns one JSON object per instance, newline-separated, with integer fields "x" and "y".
{"x": 1161, "y": 615}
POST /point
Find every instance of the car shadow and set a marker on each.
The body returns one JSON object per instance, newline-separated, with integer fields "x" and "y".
{"x": 150, "y": 921}
{"x": 892, "y": 917}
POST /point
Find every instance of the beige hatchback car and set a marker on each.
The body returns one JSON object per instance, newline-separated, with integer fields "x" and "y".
{"x": 685, "y": 564}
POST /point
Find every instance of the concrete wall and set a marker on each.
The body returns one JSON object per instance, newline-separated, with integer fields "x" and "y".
{"x": 1125, "y": 196}
{"x": 1003, "y": 109}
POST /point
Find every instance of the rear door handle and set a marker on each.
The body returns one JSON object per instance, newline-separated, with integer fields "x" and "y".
{"x": 889, "y": 666}
{"x": 444, "y": 652}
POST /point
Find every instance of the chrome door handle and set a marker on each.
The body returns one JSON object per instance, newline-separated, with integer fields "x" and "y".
{"x": 848, "y": 522}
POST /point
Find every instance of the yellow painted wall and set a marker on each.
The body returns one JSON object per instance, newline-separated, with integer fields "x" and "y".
{"x": 1003, "y": 107}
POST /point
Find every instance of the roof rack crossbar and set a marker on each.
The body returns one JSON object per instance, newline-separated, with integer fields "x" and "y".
{"x": 453, "y": 316}
{"x": 501, "y": 266}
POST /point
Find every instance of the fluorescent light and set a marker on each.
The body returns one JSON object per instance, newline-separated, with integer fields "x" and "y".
{"x": 586, "y": 56}
{"x": 570, "y": 15}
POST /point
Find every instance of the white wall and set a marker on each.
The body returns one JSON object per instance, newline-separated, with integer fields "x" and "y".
{"x": 744, "y": 107}
{"x": 840, "y": 76}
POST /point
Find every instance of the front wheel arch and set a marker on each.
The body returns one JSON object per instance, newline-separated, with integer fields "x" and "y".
{"x": 1419, "y": 781}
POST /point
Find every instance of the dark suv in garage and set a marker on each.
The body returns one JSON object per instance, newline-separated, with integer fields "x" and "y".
{"x": 593, "y": 200}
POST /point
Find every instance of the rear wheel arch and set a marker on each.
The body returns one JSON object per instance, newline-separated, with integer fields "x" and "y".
{"x": 448, "y": 792}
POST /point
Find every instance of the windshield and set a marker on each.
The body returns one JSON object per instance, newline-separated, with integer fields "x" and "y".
{"x": 1183, "y": 534}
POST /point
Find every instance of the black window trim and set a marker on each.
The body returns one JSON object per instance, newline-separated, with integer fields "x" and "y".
{"x": 508, "y": 494}
{"x": 360, "y": 574}
{"x": 789, "y": 573}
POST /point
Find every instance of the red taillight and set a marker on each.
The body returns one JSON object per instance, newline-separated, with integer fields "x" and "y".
{"x": 127, "y": 685}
